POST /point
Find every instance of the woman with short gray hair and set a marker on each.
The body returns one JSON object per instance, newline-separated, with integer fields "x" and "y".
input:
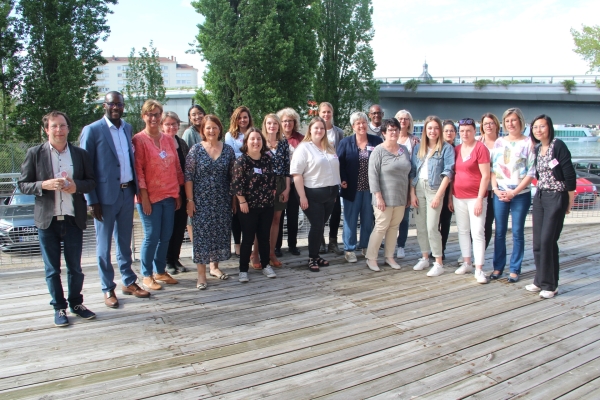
{"x": 354, "y": 152}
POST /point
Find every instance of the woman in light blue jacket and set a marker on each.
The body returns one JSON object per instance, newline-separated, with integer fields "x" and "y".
{"x": 431, "y": 172}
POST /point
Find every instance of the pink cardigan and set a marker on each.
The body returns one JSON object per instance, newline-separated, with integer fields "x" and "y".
{"x": 158, "y": 170}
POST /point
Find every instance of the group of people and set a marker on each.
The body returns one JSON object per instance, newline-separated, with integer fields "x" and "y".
{"x": 242, "y": 182}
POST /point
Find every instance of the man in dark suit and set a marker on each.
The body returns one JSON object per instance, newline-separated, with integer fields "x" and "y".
{"x": 108, "y": 142}
{"x": 58, "y": 174}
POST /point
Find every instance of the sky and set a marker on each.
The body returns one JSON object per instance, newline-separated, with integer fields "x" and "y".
{"x": 456, "y": 37}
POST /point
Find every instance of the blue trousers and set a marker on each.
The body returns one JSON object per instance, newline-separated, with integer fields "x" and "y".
{"x": 158, "y": 227}
{"x": 352, "y": 209}
{"x": 50, "y": 238}
{"x": 518, "y": 208}
{"x": 117, "y": 221}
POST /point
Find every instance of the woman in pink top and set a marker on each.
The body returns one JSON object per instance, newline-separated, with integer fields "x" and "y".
{"x": 469, "y": 201}
{"x": 159, "y": 176}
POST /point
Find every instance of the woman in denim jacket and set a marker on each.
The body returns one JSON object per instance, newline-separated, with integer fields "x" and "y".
{"x": 431, "y": 172}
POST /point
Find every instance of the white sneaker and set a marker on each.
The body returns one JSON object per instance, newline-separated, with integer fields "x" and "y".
{"x": 480, "y": 276}
{"x": 532, "y": 288}
{"x": 392, "y": 263}
{"x": 350, "y": 257}
{"x": 436, "y": 270}
{"x": 372, "y": 264}
{"x": 461, "y": 260}
{"x": 464, "y": 269}
{"x": 421, "y": 264}
{"x": 268, "y": 272}
{"x": 548, "y": 294}
{"x": 400, "y": 252}
{"x": 243, "y": 277}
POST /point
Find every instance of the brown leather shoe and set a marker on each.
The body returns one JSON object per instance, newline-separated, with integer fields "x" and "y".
{"x": 150, "y": 284}
{"x": 135, "y": 290}
{"x": 165, "y": 278}
{"x": 110, "y": 299}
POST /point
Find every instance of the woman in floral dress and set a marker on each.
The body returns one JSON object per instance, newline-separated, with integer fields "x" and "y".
{"x": 207, "y": 187}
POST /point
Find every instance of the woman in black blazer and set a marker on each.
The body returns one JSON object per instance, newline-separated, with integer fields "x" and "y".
{"x": 553, "y": 200}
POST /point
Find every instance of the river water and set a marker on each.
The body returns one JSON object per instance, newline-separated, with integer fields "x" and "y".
{"x": 584, "y": 149}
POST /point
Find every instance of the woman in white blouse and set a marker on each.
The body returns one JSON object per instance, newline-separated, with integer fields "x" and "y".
{"x": 316, "y": 172}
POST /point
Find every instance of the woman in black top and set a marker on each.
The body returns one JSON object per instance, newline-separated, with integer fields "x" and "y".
{"x": 552, "y": 201}
{"x": 449, "y": 135}
{"x": 254, "y": 185}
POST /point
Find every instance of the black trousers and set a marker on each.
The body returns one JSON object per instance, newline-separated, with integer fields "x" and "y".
{"x": 320, "y": 206}
{"x": 236, "y": 228}
{"x": 489, "y": 218}
{"x": 179, "y": 227}
{"x": 292, "y": 210}
{"x": 549, "y": 210}
{"x": 334, "y": 220}
{"x": 445, "y": 221}
{"x": 256, "y": 223}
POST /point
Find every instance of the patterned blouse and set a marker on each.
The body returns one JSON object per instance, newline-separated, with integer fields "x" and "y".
{"x": 280, "y": 158}
{"x": 547, "y": 180}
{"x": 512, "y": 162}
{"x": 363, "y": 169}
{"x": 255, "y": 180}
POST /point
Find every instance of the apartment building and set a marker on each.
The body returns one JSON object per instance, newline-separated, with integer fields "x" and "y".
{"x": 113, "y": 75}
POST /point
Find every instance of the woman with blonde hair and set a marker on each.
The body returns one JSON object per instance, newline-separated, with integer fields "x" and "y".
{"x": 315, "y": 168}
{"x": 410, "y": 141}
{"x": 431, "y": 173}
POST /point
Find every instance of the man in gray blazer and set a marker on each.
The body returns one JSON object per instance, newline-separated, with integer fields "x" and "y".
{"x": 108, "y": 143}
{"x": 58, "y": 174}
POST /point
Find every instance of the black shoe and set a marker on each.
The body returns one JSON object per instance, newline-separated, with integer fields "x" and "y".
{"x": 513, "y": 279}
{"x": 333, "y": 248}
{"x": 443, "y": 256}
{"x": 172, "y": 269}
{"x": 431, "y": 257}
{"x": 60, "y": 318}
{"x": 81, "y": 311}
{"x": 278, "y": 252}
{"x": 180, "y": 267}
{"x": 494, "y": 277}
{"x": 323, "y": 248}
{"x": 294, "y": 251}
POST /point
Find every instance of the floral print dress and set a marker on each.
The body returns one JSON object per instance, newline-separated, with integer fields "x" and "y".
{"x": 211, "y": 222}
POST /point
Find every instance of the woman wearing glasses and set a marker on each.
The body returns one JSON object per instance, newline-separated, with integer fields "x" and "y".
{"x": 410, "y": 141}
{"x": 472, "y": 174}
{"x": 159, "y": 176}
{"x": 490, "y": 133}
{"x": 431, "y": 173}
{"x": 553, "y": 200}
{"x": 512, "y": 171}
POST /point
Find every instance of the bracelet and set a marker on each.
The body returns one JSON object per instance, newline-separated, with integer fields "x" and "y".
{"x": 243, "y": 203}
{"x": 190, "y": 200}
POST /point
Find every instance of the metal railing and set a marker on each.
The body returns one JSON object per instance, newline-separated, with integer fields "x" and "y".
{"x": 500, "y": 80}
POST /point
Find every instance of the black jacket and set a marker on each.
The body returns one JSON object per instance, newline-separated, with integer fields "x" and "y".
{"x": 564, "y": 171}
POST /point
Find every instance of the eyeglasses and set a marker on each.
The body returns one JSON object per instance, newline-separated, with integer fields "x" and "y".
{"x": 403, "y": 119}
{"x": 376, "y": 113}
{"x": 117, "y": 105}
{"x": 287, "y": 121}
{"x": 60, "y": 127}
{"x": 467, "y": 121}
{"x": 153, "y": 115}
{"x": 489, "y": 124}
{"x": 175, "y": 125}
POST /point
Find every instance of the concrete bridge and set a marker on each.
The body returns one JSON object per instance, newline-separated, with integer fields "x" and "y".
{"x": 459, "y": 100}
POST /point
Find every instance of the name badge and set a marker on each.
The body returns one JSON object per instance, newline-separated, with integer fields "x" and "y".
{"x": 162, "y": 154}
{"x": 273, "y": 151}
{"x": 370, "y": 148}
{"x": 334, "y": 155}
{"x": 553, "y": 163}
{"x": 258, "y": 171}
{"x": 400, "y": 151}
{"x": 467, "y": 159}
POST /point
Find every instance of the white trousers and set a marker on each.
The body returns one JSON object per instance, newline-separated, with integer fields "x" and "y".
{"x": 469, "y": 226}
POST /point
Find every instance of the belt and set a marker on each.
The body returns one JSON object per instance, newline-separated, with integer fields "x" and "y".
{"x": 126, "y": 185}
{"x": 64, "y": 218}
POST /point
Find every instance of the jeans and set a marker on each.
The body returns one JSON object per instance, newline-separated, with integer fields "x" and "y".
{"x": 320, "y": 206}
{"x": 518, "y": 208}
{"x": 403, "y": 229}
{"x": 72, "y": 237}
{"x": 352, "y": 209}
{"x": 548, "y": 217}
{"x": 158, "y": 227}
{"x": 256, "y": 223}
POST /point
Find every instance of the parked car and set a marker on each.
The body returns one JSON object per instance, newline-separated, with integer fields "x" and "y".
{"x": 586, "y": 193}
{"x": 17, "y": 226}
{"x": 590, "y": 169}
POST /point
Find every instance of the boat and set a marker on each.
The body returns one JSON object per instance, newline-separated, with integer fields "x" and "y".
{"x": 574, "y": 134}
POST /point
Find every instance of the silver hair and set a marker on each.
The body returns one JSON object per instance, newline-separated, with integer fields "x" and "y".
{"x": 358, "y": 115}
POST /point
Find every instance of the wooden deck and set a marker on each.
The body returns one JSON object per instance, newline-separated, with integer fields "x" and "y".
{"x": 344, "y": 333}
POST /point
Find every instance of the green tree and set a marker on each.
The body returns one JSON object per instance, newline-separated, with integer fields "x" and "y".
{"x": 259, "y": 53}
{"x": 10, "y": 69}
{"x": 61, "y": 61}
{"x": 345, "y": 71}
{"x": 587, "y": 45}
{"x": 144, "y": 81}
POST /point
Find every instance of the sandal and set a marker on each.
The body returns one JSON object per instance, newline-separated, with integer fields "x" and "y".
{"x": 321, "y": 262}
{"x": 274, "y": 263}
{"x": 201, "y": 286}
{"x": 313, "y": 266}
{"x": 255, "y": 265}
{"x": 223, "y": 275}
